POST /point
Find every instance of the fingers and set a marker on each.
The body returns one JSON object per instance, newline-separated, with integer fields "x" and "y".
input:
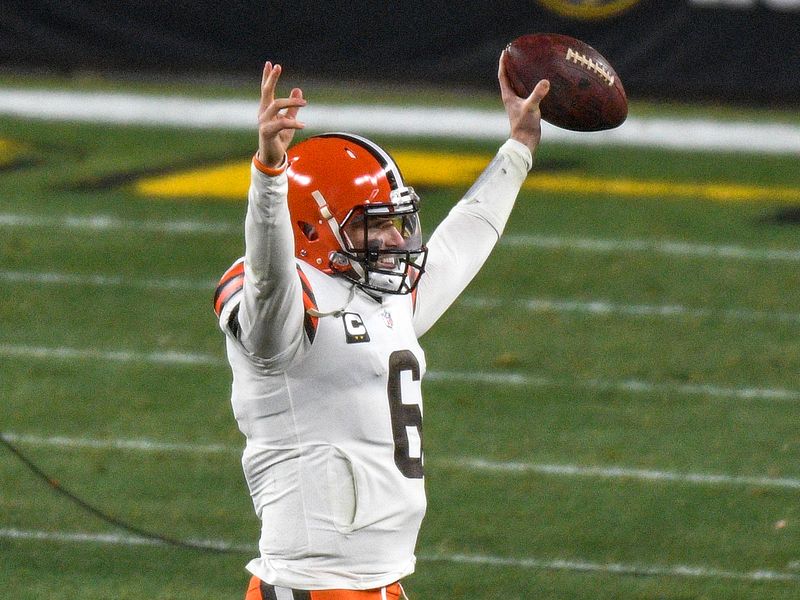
{"x": 539, "y": 92}
{"x": 277, "y": 117}
{"x": 531, "y": 103}
{"x": 274, "y": 126}
{"x": 269, "y": 80}
{"x": 296, "y": 95}
{"x": 507, "y": 91}
{"x": 271, "y": 108}
{"x": 501, "y": 69}
{"x": 282, "y": 114}
{"x": 288, "y": 123}
{"x": 291, "y": 104}
{"x": 502, "y": 77}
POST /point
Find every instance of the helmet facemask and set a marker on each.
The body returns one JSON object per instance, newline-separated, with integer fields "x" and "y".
{"x": 382, "y": 244}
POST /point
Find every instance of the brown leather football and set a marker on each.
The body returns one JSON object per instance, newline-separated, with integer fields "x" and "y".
{"x": 586, "y": 94}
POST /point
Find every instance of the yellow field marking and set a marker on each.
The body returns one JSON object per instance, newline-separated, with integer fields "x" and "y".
{"x": 440, "y": 169}
{"x": 228, "y": 180}
{"x": 10, "y": 151}
{"x": 719, "y": 192}
{"x": 231, "y": 179}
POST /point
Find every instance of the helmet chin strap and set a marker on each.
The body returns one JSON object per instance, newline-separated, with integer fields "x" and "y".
{"x": 328, "y": 216}
{"x": 334, "y": 313}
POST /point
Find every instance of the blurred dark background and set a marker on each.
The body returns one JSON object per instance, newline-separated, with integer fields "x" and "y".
{"x": 734, "y": 51}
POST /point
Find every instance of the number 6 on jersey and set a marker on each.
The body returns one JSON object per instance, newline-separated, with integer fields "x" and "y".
{"x": 406, "y": 418}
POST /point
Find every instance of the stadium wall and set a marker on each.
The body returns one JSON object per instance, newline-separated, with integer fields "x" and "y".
{"x": 742, "y": 51}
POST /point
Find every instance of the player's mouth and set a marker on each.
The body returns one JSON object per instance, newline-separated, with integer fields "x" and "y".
{"x": 387, "y": 262}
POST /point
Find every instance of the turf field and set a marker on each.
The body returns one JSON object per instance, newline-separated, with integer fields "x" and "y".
{"x": 611, "y": 408}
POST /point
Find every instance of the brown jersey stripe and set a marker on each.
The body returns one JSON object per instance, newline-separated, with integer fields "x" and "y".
{"x": 236, "y": 269}
{"x": 226, "y": 281}
{"x": 309, "y": 301}
{"x": 225, "y": 291}
{"x": 306, "y": 285}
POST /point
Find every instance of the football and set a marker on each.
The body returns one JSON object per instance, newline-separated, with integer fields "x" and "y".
{"x": 586, "y": 94}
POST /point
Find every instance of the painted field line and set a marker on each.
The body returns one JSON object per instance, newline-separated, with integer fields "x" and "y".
{"x": 166, "y": 357}
{"x": 108, "y": 223}
{"x": 98, "y": 280}
{"x": 538, "y": 305}
{"x": 583, "y": 566}
{"x": 116, "y": 539}
{"x": 636, "y": 386}
{"x": 625, "y": 186}
{"x": 665, "y": 247}
{"x": 602, "y": 308}
{"x": 493, "y": 466}
{"x": 430, "y": 121}
{"x": 134, "y": 445}
{"x": 463, "y": 463}
{"x": 527, "y": 563}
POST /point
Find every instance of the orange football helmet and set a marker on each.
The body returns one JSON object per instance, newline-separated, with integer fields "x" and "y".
{"x": 343, "y": 189}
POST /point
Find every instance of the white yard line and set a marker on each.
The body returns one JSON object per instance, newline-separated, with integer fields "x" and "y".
{"x": 165, "y": 357}
{"x": 461, "y": 123}
{"x": 480, "y": 560}
{"x": 109, "y": 223}
{"x": 135, "y": 445}
{"x": 99, "y": 280}
{"x": 636, "y": 386}
{"x": 494, "y": 466}
{"x": 536, "y": 305}
{"x": 585, "y": 566}
{"x": 114, "y": 539}
{"x": 654, "y": 246}
{"x": 462, "y": 463}
{"x": 603, "y": 307}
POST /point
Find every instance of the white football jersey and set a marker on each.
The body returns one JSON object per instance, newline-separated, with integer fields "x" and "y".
{"x": 331, "y": 405}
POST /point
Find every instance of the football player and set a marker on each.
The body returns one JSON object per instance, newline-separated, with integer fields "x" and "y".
{"x": 322, "y": 317}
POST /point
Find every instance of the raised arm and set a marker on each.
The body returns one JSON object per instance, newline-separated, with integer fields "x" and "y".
{"x": 461, "y": 244}
{"x": 271, "y": 311}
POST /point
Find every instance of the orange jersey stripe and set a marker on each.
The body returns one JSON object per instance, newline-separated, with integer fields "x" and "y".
{"x": 233, "y": 281}
{"x": 224, "y": 292}
{"x": 230, "y": 283}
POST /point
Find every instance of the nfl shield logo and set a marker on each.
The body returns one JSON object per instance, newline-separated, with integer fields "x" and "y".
{"x": 387, "y": 318}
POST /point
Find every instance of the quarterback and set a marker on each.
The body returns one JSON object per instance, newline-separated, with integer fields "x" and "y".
{"x": 321, "y": 319}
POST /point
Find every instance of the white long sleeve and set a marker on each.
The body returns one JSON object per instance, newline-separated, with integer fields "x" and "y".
{"x": 271, "y": 311}
{"x": 462, "y": 242}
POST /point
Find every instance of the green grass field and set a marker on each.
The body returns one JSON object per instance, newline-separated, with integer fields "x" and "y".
{"x": 611, "y": 411}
